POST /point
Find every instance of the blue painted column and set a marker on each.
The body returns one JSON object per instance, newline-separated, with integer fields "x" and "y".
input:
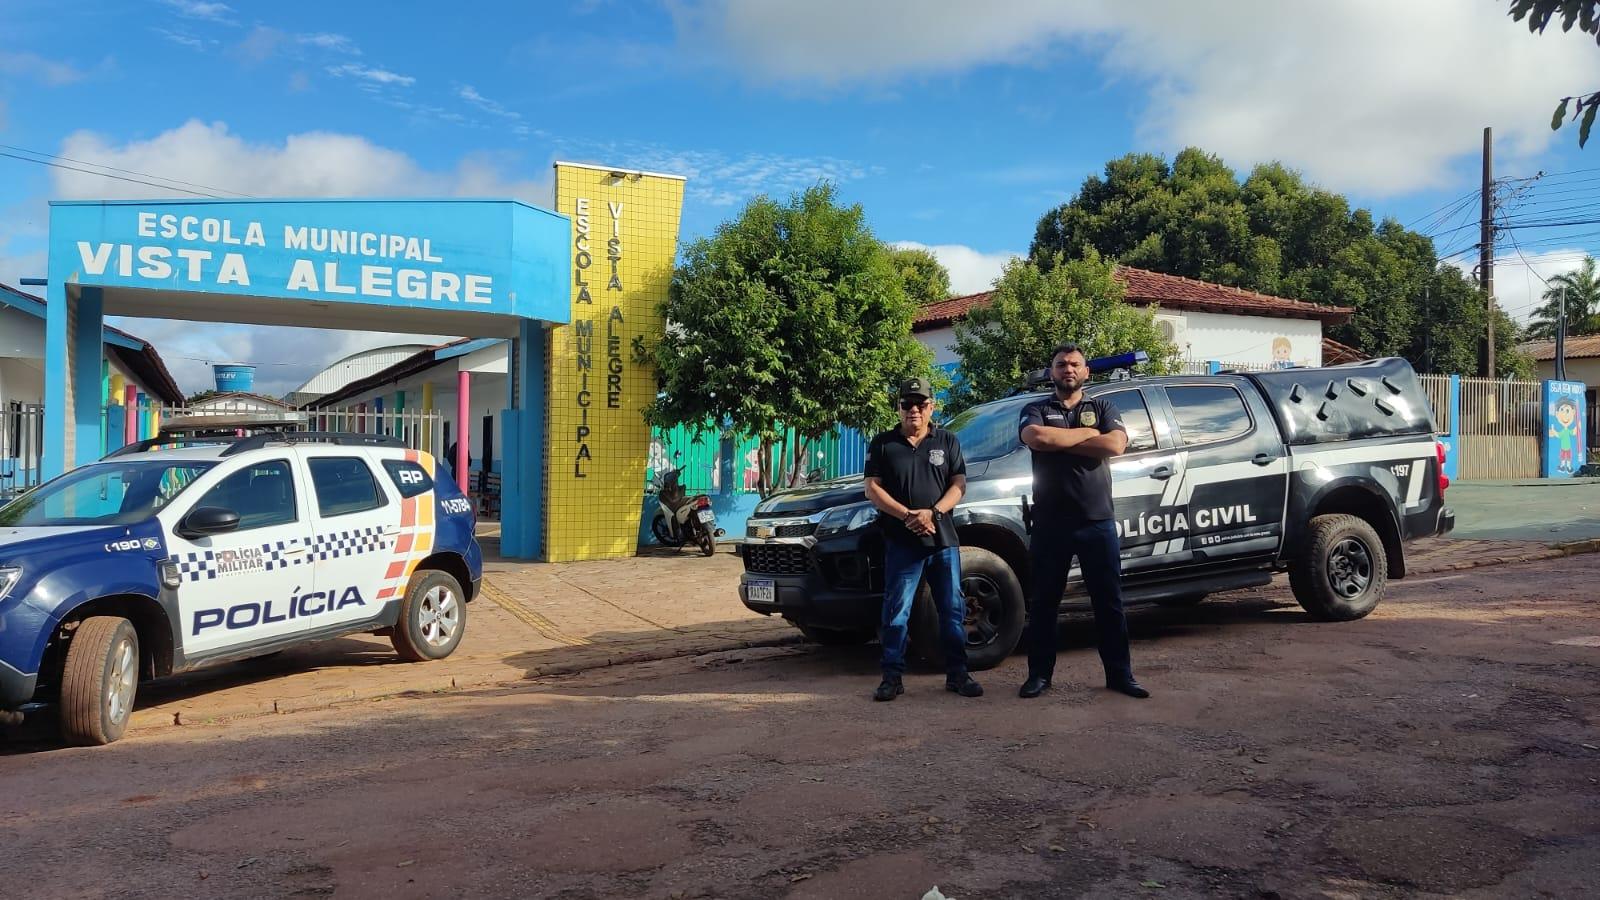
{"x": 1562, "y": 439}
{"x": 522, "y": 445}
{"x": 1213, "y": 366}
{"x": 1451, "y": 438}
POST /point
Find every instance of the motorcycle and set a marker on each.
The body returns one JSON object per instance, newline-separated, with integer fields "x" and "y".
{"x": 683, "y": 518}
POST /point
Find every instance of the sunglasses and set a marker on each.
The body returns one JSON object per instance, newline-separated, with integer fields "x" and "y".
{"x": 909, "y": 405}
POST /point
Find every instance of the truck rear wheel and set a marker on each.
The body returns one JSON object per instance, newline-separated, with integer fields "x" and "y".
{"x": 99, "y": 680}
{"x": 996, "y": 612}
{"x": 1341, "y": 570}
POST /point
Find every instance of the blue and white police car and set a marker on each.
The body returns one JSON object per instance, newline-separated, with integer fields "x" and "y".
{"x": 169, "y": 556}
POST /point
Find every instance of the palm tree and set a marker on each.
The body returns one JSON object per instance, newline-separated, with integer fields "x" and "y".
{"x": 1582, "y": 288}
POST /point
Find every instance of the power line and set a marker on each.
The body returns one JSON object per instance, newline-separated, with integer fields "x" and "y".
{"x": 164, "y": 187}
{"x": 123, "y": 171}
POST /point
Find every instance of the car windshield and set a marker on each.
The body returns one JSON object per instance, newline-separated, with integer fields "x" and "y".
{"x": 990, "y": 430}
{"x": 119, "y": 492}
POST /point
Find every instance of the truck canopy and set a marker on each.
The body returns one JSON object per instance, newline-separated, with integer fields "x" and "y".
{"x": 1351, "y": 402}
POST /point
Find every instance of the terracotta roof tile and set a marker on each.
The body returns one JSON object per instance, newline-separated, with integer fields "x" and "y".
{"x": 1167, "y": 291}
{"x": 1585, "y": 347}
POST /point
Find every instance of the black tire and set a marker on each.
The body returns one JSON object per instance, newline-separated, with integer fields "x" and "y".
{"x": 708, "y": 540}
{"x": 658, "y": 527}
{"x": 837, "y": 637}
{"x": 433, "y": 617}
{"x": 996, "y": 613}
{"x": 1186, "y": 600}
{"x": 99, "y": 681}
{"x": 1340, "y": 571}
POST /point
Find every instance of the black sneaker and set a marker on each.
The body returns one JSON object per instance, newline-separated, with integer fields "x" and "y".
{"x": 964, "y": 685}
{"x": 888, "y": 689}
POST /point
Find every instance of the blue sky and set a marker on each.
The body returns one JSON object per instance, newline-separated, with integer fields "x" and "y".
{"x": 956, "y": 125}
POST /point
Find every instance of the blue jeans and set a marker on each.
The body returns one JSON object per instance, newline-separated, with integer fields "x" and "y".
{"x": 903, "y": 568}
{"x": 1053, "y": 545}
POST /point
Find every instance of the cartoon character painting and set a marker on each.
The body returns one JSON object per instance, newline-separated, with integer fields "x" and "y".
{"x": 1280, "y": 353}
{"x": 1566, "y": 433}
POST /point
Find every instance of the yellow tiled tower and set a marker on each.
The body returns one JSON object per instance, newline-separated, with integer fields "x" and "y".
{"x": 624, "y": 240}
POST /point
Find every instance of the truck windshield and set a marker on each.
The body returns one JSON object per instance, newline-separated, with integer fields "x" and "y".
{"x": 990, "y": 430}
{"x": 119, "y": 492}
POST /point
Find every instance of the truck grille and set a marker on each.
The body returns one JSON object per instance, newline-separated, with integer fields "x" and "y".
{"x": 793, "y": 530}
{"x": 777, "y": 559}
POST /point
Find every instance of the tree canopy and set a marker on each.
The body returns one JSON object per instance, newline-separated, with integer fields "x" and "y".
{"x": 1273, "y": 233}
{"x": 925, "y": 278}
{"x": 1579, "y": 292}
{"x": 1032, "y": 309}
{"x": 791, "y": 318}
{"x": 1586, "y": 15}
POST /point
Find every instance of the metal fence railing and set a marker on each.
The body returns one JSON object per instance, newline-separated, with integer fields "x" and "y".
{"x": 1437, "y": 388}
{"x": 1499, "y": 428}
{"x": 21, "y": 446}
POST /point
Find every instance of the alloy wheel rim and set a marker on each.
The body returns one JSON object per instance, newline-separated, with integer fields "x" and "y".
{"x": 981, "y": 596}
{"x": 124, "y": 677}
{"x": 1350, "y": 568}
{"x": 439, "y": 616}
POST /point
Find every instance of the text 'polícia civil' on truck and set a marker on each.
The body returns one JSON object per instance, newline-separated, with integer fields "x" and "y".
{"x": 1324, "y": 473}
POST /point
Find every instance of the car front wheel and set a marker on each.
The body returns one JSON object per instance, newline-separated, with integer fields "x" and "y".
{"x": 99, "y": 680}
{"x": 433, "y": 617}
{"x": 996, "y": 612}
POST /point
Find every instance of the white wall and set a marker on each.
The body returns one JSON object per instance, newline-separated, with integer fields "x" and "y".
{"x": 22, "y": 359}
{"x": 1222, "y": 337}
{"x": 1584, "y": 370}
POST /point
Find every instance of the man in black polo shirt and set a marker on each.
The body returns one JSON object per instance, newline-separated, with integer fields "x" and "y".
{"x": 1071, "y": 437}
{"x": 915, "y": 476}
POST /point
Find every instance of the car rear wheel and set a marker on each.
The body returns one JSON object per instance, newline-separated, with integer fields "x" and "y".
{"x": 1341, "y": 569}
{"x": 99, "y": 681}
{"x": 996, "y": 612}
{"x": 433, "y": 617}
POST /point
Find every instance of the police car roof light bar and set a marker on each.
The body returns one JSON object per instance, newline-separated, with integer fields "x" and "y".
{"x": 1039, "y": 379}
{"x": 339, "y": 438}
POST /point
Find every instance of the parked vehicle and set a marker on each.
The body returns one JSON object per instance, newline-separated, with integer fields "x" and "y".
{"x": 180, "y": 553}
{"x": 683, "y": 519}
{"x": 1324, "y": 473}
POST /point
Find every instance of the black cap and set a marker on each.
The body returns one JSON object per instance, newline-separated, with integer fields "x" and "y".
{"x": 916, "y": 387}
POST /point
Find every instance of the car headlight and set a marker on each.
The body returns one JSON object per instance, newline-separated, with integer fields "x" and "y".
{"x": 847, "y": 518}
{"x": 8, "y": 579}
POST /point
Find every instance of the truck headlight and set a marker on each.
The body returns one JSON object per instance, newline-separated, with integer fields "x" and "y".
{"x": 8, "y": 580}
{"x": 847, "y": 518}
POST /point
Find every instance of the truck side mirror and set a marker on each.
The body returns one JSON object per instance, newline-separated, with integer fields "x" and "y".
{"x": 208, "y": 520}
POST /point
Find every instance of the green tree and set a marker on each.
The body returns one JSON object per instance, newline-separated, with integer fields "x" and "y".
{"x": 926, "y": 280}
{"x": 790, "y": 319}
{"x": 1586, "y": 15}
{"x": 1272, "y": 233}
{"x": 1580, "y": 289}
{"x": 1033, "y": 309}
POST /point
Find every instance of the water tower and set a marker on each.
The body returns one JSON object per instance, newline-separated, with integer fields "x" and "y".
{"x": 234, "y": 377}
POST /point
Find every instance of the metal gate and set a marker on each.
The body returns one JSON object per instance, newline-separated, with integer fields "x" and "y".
{"x": 21, "y": 447}
{"x": 1499, "y": 428}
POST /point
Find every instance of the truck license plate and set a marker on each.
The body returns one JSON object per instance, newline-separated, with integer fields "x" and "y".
{"x": 707, "y": 516}
{"x": 762, "y": 592}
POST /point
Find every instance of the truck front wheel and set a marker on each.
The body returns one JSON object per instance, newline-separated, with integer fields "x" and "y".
{"x": 1341, "y": 570}
{"x": 996, "y": 612}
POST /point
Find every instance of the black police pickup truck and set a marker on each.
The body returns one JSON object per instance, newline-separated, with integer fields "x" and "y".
{"x": 1324, "y": 473}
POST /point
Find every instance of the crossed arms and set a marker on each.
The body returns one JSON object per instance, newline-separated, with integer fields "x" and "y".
{"x": 1088, "y": 442}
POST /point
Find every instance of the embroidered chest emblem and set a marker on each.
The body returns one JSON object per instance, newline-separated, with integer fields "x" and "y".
{"x": 936, "y": 457}
{"x": 1087, "y": 418}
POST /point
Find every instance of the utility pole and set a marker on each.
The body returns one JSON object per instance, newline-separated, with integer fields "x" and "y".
{"x": 1561, "y": 338}
{"x": 1486, "y": 248}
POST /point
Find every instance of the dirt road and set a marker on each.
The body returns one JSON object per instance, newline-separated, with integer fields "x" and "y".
{"x": 1450, "y": 743}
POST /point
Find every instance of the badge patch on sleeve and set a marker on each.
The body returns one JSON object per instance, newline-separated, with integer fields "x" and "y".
{"x": 1088, "y": 419}
{"x": 936, "y": 457}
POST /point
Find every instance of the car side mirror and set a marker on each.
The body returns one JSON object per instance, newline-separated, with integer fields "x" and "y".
{"x": 207, "y": 520}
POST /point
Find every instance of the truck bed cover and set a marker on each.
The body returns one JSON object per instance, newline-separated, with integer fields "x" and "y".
{"x": 1351, "y": 402}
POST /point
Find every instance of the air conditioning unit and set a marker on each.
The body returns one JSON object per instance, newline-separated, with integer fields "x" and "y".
{"x": 1174, "y": 329}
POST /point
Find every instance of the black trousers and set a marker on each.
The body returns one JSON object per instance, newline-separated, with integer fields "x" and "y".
{"x": 1054, "y": 543}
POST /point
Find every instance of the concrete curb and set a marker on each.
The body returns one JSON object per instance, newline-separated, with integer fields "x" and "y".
{"x": 1552, "y": 551}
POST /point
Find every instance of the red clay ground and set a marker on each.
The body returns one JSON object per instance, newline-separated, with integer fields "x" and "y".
{"x": 1447, "y": 744}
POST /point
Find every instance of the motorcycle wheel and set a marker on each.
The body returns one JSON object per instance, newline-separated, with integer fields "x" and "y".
{"x": 708, "y": 541}
{"x": 663, "y": 533}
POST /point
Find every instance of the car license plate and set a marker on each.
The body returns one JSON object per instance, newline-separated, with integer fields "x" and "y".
{"x": 762, "y": 591}
{"x": 707, "y": 516}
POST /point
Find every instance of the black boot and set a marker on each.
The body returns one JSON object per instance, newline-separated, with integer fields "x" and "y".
{"x": 963, "y": 684}
{"x": 1034, "y": 686}
{"x": 1128, "y": 686}
{"x": 888, "y": 689}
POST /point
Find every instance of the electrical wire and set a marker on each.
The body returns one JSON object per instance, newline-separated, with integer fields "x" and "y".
{"x": 164, "y": 187}
{"x": 123, "y": 171}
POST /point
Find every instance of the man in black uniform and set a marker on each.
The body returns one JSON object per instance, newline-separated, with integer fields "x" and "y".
{"x": 915, "y": 476}
{"x": 1071, "y": 437}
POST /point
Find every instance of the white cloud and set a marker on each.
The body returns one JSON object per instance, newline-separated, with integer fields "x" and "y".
{"x": 371, "y": 74}
{"x": 323, "y": 40}
{"x": 221, "y": 13}
{"x": 470, "y": 94}
{"x": 39, "y": 68}
{"x": 718, "y": 179}
{"x": 971, "y": 271}
{"x": 1361, "y": 94}
{"x": 1519, "y": 279}
{"x": 182, "y": 39}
